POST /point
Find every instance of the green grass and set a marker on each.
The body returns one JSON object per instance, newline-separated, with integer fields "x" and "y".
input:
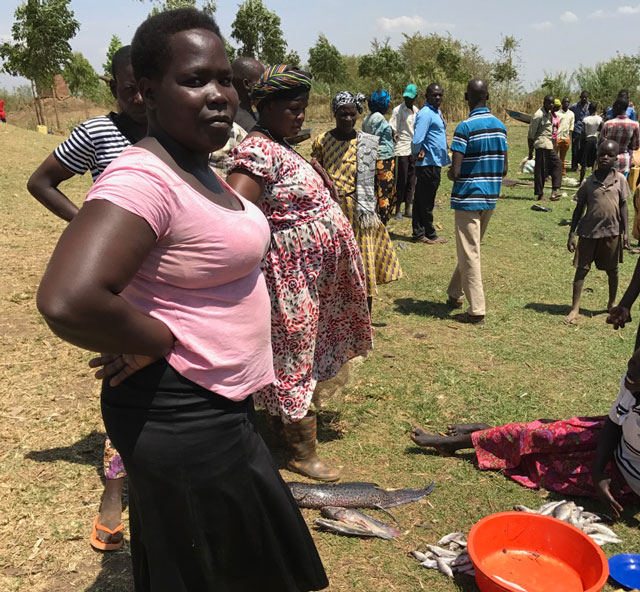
{"x": 524, "y": 363}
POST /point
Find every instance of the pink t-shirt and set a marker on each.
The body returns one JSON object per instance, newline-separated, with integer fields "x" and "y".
{"x": 202, "y": 278}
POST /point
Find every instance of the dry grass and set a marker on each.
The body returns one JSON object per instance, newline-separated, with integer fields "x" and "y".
{"x": 425, "y": 370}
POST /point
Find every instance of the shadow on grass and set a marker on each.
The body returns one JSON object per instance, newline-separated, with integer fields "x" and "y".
{"x": 469, "y": 457}
{"x": 426, "y": 308}
{"x": 529, "y": 197}
{"x": 86, "y": 451}
{"x": 560, "y": 309}
{"x": 399, "y": 237}
{"x": 116, "y": 574}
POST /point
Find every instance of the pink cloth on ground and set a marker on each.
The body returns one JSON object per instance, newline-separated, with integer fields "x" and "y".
{"x": 202, "y": 278}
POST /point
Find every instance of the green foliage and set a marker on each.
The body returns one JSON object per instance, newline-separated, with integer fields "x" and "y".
{"x": 257, "y": 30}
{"x": 605, "y": 79}
{"x": 208, "y": 6}
{"x": 505, "y": 70}
{"x": 40, "y": 41}
{"x": 81, "y": 77}
{"x": 18, "y": 99}
{"x": 114, "y": 45}
{"x": 326, "y": 62}
{"x": 559, "y": 85}
{"x": 383, "y": 64}
{"x": 293, "y": 58}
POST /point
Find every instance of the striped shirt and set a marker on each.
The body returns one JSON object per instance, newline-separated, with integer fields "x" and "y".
{"x": 482, "y": 139}
{"x": 623, "y": 130}
{"x": 625, "y": 412}
{"x": 92, "y": 146}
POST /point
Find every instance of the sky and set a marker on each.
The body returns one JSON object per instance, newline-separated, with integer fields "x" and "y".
{"x": 553, "y": 37}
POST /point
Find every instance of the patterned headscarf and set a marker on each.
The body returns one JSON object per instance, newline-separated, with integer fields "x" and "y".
{"x": 379, "y": 100}
{"x": 346, "y": 98}
{"x": 280, "y": 78}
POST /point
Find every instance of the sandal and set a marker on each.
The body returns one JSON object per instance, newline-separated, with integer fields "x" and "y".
{"x": 96, "y": 543}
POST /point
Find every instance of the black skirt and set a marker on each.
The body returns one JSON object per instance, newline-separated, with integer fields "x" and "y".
{"x": 208, "y": 508}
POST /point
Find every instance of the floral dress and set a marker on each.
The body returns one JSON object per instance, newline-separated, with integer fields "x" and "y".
{"x": 314, "y": 273}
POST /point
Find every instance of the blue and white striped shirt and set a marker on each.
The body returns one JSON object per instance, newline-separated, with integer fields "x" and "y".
{"x": 625, "y": 412}
{"x": 482, "y": 139}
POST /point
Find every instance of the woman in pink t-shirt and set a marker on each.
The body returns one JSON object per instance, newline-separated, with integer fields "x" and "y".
{"x": 162, "y": 267}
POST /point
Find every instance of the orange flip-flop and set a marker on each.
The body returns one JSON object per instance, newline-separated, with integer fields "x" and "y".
{"x": 96, "y": 543}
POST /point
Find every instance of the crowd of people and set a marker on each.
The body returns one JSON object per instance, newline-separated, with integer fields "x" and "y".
{"x": 242, "y": 273}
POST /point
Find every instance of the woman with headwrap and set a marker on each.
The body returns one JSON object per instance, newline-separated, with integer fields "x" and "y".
{"x": 350, "y": 157}
{"x": 375, "y": 123}
{"x": 314, "y": 272}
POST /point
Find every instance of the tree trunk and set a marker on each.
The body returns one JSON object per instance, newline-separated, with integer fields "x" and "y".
{"x": 55, "y": 108}
{"x": 86, "y": 108}
{"x": 36, "y": 106}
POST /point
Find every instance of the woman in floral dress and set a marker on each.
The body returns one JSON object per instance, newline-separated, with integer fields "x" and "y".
{"x": 314, "y": 271}
{"x": 349, "y": 157}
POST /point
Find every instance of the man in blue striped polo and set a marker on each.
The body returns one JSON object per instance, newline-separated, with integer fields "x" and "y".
{"x": 479, "y": 149}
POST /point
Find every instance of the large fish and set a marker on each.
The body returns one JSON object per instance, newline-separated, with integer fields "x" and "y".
{"x": 353, "y": 495}
{"x": 353, "y": 522}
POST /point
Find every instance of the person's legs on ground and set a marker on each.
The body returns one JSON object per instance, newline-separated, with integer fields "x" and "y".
{"x": 539, "y": 173}
{"x": 110, "y": 515}
{"x": 576, "y": 151}
{"x": 563, "y": 148}
{"x": 578, "y": 283}
{"x": 612, "y": 276}
{"x": 401, "y": 183}
{"x": 427, "y": 183}
{"x": 460, "y": 439}
{"x": 470, "y": 228}
{"x": 554, "y": 168}
{"x": 410, "y": 186}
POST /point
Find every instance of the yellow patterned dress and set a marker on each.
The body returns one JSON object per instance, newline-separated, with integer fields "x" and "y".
{"x": 339, "y": 158}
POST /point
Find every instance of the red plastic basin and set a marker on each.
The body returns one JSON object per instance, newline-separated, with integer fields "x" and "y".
{"x": 518, "y": 551}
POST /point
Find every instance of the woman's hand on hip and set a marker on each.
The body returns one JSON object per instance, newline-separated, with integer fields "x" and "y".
{"x": 120, "y": 366}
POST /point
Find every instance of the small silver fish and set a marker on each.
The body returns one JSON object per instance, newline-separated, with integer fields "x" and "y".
{"x": 419, "y": 556}
{"x": 590, "y": 517}
{"x": 429, "y": 564}
{"x": 440, "y": 552}
{"x": 443, "y": 567}
{"x": 563, "y": 511}
{"x": 603, "y": 539}
{"x": 548, "y": 508}
{"x": 354, "y": 522}
{"x": 448, "y": 538}
{"x": 600, "y": 529}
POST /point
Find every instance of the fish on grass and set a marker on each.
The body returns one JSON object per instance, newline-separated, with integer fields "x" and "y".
{"x": 352, "y": 522}
{"x": 588, "y": 522}
{"x": 357, "y": 494}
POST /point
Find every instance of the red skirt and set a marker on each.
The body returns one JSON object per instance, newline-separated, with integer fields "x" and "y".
{"x": 554, "y": 455}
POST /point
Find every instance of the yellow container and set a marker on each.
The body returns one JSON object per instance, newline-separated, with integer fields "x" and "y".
{"x": 42, "y": 129}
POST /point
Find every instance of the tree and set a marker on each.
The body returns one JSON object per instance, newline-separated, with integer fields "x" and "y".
{"x": 82, "y": 79}
{"x": 293, "y": 58}
{"x": 40, "y": 44}
{"x": 505, "y": 71}
{"x": 208, "y": 6}
{"x": 114, "y": 45}
{"x": 326, "y": 62}
{"x": 605, "y": 79}
{"x": 559, "y": 85}
{"x": 258, "y": 31}
{"x": 382, "y": 63}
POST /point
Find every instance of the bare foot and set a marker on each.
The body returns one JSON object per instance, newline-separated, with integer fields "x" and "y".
{"x": 610, "y": 305}
{"x": 461, "y": 429}
{"x": 442, "y": 444}
{"x": 572, "y": 317}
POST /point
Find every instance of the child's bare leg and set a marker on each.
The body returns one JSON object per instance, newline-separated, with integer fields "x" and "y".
{"x": 578, "y": 284}
{"x": 443, "y": 444}
{"x": 612, "y": 275}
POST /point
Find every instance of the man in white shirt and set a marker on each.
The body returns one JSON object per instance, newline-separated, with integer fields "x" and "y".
{"x": 402, "y": 122}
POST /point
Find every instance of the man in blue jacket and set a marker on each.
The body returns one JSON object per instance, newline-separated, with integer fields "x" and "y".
{"x": 429, "y": 146}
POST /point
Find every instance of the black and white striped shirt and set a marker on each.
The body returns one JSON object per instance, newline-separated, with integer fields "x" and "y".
{"x": 626, "y": 413}
{"x": 92, "y": 146}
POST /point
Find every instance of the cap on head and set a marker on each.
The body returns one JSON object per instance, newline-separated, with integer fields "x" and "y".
{"x": 411, "y": 91}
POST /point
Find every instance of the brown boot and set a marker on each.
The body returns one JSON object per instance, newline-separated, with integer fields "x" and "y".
{"x": 301, "y": 438}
